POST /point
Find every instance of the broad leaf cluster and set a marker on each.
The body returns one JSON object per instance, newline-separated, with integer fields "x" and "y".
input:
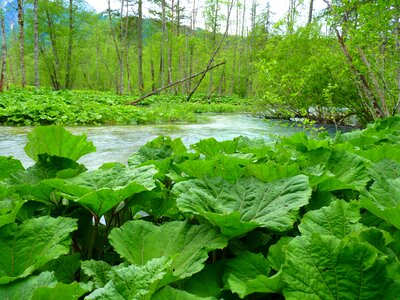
{"x": 301, "y": 217}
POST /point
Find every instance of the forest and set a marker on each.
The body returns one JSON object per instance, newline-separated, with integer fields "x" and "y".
{"x": 336, "y": 65}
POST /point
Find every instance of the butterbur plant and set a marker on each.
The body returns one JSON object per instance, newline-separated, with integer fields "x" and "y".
{"x": 302, "y": 218}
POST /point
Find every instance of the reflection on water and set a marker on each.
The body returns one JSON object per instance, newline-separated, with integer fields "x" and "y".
{"x": 117, "y": 143}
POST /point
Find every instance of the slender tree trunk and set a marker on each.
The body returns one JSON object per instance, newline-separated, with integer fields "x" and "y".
{"x": 3, "y": 52}
{"x": 153, "y": 76}
{"x": 54, "y": 73}
{"x": 310, "y": 12}
{"x": 169, "y": 42}
{"x": 120, "y": 86}
{"x": 397, "y": 34}
{"x": 68, "y": 79}
{"x": 126, "y": 46}
{"x": 140, "y": 47}
{"x": 21, "y": 41}
{"x": 36, "y": 42}
{"x": 162, "y": 45}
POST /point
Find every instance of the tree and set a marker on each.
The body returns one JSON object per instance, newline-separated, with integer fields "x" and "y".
{"x": 120, "y": 84}
{"x": 310, "y": 12}
{"x": 21, "y": 41}
{"x": 68, "y": 79}
{"x": 366, "y": 32}
{"x": 140, "y": 46}
{"x": 3, "y": 51}
{"x": 36, "y": 42}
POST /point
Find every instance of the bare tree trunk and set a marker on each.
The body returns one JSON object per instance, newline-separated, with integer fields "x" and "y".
{"x": 21, "y": 41}
{"x": 169, "y": 42}
{"x": 140, "y": 46}
{"x": 120, "y": 88}
{"x": 162, "y": 45}
{"x": 36, "y": 42}
{"x": 215, "y": 51}
{"x": 126, "y": 47}
{"x": 54, "y": 73}
{"x": 153, "y": 76}
{"x": 310, "y": 12}
{"x": 68, "y": 79}
{"x": 3, "y": 52}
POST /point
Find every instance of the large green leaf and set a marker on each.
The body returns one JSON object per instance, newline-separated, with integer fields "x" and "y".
{"x": 349, "y": 171}
{"x": 211, "y": 147}
{"x": 61, "y": 291}
{"x": 158, "y": 149}
{"x": 32, "y": 244}
{"x": 248, "y": 273}
{"x": 133, "y": 282}
{"x": 383, "y": 200}
{"x": 101, "y": 190}
{"x": 8, "y": 166}
{"x": 168, "y": 293}
{"x": 55, "y": 140}
{"x": 97, "y": 271}
{"x": 24, "y": 289}
{"x": 271, "y": 171}
{"x": 187, "y": 245}
{"x": 224, "y": 166}
{"x": 324, "y": 267}
{"x": 8, "y": 210}
{"x": 208, "y": 282}
{"x": 339, "y": 219}
{"x": 249, "y": 203}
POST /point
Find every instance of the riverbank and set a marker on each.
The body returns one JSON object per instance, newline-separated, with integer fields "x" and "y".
{"x": 30, "y": 106}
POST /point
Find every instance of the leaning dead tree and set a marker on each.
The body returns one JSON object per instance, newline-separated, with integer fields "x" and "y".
{"x": 176, "y": 82}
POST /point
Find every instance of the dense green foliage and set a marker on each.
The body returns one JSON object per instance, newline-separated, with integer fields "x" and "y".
{"x": 301, "y": 217}
{"x": 73, "y": 107}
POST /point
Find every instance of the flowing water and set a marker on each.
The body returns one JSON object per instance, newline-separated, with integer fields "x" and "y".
{"x": 117, "y": 143}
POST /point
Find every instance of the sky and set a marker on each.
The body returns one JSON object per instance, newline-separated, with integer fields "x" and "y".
{"x": 278, "y": 7}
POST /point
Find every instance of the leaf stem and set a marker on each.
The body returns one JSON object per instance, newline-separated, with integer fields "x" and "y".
{"x": 93, "y": 236}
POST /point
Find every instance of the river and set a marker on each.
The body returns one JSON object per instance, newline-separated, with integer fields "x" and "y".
{"x": 117, "y": 143}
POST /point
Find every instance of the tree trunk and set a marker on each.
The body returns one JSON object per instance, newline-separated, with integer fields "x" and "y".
{"x": 397, "y": 37}
{"x": 21, "y": 41}
{"x": 169, "y": 42}
{"x": 68, "y": 79}
{"x": 3, "y": 51}
{"x": 126, "y": 47}
{"x": 120, "y": 86}
{"x": 310, "y": 12}
{"x": 153, "y": 76}
{"x": 162, "y": 45}
{"x": 140, "y": 47}
{"x": 55, "y": 69}
{"x": 36, "y": 42}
